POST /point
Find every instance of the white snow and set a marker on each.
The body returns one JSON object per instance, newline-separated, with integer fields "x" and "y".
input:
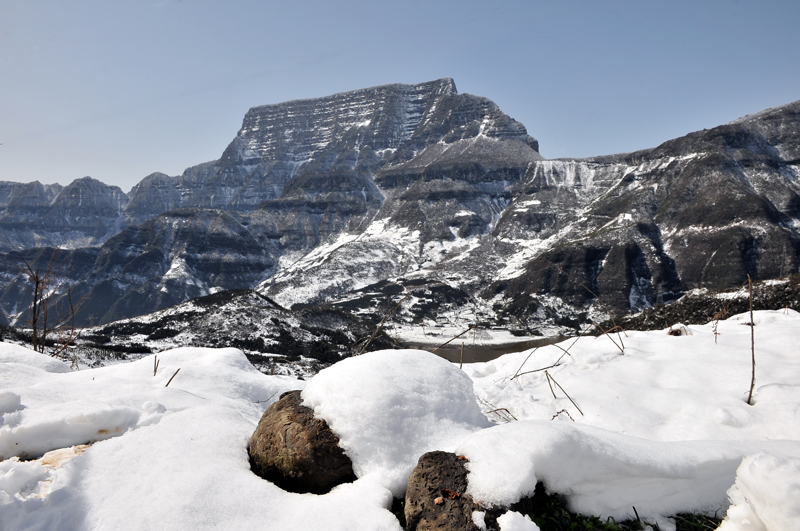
{"x": 662, "y": 426}
{"x": 765, "y": 495}
{"x": 430, "y": 406}
{"x": 514, "y": 521}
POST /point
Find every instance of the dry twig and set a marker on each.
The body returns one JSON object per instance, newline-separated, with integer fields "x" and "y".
{"x": 550, "y": 378}
{"x": 173, "y": 376}
{"x": 564, "y": 411}
{"x": 453, "y": 338}
{"x": 380, "y": 325}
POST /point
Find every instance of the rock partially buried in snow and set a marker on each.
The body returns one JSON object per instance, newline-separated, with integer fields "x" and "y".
{"x": 436, "y": 499}
{"x": 296, "y": 451}
{"x": 389, "y": 407}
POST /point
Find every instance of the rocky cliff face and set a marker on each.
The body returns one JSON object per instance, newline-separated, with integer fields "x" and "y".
{"x": 413, "y": 186}
{"x": 85, "y": 213}
{"x": 704, "y": 210}
{"x": 171, "y": 258}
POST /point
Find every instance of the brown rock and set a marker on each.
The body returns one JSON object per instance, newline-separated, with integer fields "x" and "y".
{"x": 435, "y": 496}
{"x": 296, "y": 451}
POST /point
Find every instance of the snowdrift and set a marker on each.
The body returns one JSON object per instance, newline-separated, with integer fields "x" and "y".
{"x": 662, "y": 425}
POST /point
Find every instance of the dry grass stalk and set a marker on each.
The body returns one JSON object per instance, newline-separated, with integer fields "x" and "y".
{"x": 638, "y": 520}
{"x": 549, "y": 379}
{"x": 504, "y": 414}
{"x": 531, "y": 353}
{"x": 616, "y": 328}
{"x": 155, "y": 365}
{"x": 540, "y": 369}
{"x": 752, "y": 342}
{"x": 173, "y": 376}
{"x": 564, "y": 411}
{"x": 565, "y": 350}
{"x": 503, "y": 409}
{"x": 722, "y": 314}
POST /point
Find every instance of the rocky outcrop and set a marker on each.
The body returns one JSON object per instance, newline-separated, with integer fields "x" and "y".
{"x": 436, "y": 496}
{"x": 346, "y": 137}
{"x": 296, "y": 451}
{"x": 155, "y": 194}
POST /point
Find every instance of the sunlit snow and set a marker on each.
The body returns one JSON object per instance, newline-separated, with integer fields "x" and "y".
{"x": 650, "y": 420}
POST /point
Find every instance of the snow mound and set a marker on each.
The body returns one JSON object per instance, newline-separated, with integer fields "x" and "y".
{"x": 766, "y": 495}
{"x": 389, "y": 407}
{"x": 179, "y": 458}
{"x": 64, "y": 409}
{"x": 604, "y": 473}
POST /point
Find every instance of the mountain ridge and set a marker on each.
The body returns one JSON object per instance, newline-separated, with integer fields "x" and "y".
{"x": 318, "y": 197}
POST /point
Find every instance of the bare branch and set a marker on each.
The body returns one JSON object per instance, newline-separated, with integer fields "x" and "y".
{"x": 453, "y": 338}
{"x": 380, "y": 325}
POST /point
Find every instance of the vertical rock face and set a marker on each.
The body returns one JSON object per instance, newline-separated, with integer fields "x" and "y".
{"x": 87, "y": 205}
{"x": 355, "y": 132}
{"x": 704, "y": 210}
{"x": 179, "y": 255}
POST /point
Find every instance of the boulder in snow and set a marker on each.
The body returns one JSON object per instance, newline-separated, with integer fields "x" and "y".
{"x": 436, "y": 499}
{"x": 296, "y": 451}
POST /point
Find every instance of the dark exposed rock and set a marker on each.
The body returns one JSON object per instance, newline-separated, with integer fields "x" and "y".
{"x": 296, "y": 451}
{"x": 436, "y": 499}
{"x": 705, "y": 306}
{"x": 275, "y": 339}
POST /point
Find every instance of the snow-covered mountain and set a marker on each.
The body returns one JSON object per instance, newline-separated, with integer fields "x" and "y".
{"x": 704, "y": 210}
{"x": 411, "y": 185}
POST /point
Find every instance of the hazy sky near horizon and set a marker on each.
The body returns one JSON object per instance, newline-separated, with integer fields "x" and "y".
{"x": 119, "y": 89}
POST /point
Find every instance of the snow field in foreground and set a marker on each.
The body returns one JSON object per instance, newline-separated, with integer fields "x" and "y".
{"x": 665, "y": 428}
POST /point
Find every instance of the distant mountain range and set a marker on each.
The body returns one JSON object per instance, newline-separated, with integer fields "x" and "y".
{"x": 354, "y": 198}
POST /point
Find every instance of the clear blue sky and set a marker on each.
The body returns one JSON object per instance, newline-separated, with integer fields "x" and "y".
{"x": 119, "y": 89}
